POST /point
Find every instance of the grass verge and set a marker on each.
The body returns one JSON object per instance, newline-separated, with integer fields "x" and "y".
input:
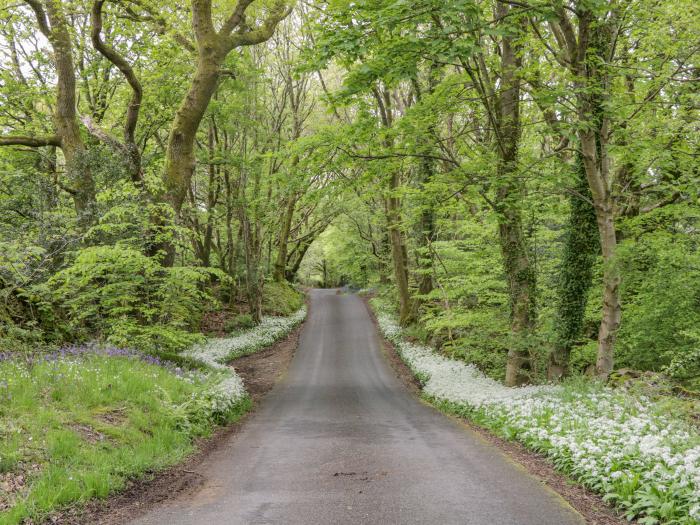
{"x": 78, "y": 427}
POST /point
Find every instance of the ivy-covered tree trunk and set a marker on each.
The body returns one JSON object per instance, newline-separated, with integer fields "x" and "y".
{"x": 581, "y": 248}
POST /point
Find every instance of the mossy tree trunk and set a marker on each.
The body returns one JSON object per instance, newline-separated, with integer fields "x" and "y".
{"x": 212, "y": 49}
{"x": 587, "y": 50}
{"x": 510, "y": 192}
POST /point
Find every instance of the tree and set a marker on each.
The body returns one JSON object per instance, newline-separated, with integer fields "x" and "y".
{"x": 51, "y": 21}
{"x": 212, "y": 49}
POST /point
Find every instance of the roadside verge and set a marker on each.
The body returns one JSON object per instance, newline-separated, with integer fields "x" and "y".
{"x": 91, "y": 434}
{"x": 616, "y": 447}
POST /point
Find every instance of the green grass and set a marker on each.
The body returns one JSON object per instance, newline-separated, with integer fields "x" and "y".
{"x": 79, "y": 429}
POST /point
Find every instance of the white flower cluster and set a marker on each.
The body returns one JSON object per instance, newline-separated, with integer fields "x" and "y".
{"x": 217, "y": 351}
{"x": 230, "y": 390}
{"x": 225, "y": 394}
{"x": 613, "y": 442}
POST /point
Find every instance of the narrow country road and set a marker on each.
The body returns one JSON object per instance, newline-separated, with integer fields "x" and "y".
{"x": 340, "y": 440}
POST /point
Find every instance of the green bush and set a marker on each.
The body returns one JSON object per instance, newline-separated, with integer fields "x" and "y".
{"x": 239, "y": 322}
{"x": 119, "y": 295}
{"x": 661, "y": 306}
{"x": 281, "y": 299}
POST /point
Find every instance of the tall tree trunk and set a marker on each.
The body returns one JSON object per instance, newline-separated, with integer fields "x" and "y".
{"x": 521, "y": 290}
{"x": 280, "y": 273}
{"x": 398, "y": 252}
{"x": 598, "y": 174}
{"x": 427, "y": 216}
{"x": 581, "y": 248}
{"x": 52, "y": 23}
{"x": 179, "y": 155}
{"x": 427, "y": 232}
{"x": 510, "y": 193}
{"x": 66, "y": 118}
{"x": 254, "y": 279}
{"x": 385, "y": 268}
{"x": 592, "y": 89}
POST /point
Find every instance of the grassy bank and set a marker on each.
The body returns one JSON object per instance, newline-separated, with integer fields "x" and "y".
{"x": 79, "y": 423}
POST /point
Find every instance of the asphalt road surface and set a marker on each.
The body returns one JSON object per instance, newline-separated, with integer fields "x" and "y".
{"x": 340, "y": 440}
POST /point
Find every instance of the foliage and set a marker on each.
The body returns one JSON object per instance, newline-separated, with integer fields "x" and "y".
{"x": 128, "y": 299}
{"x": 281, "y": 299}
{"x": 663, "y": 306}
{"x": 239, "y": 322}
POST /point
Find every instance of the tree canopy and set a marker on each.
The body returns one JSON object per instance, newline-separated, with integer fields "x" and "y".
{"x": 521, "y": 177}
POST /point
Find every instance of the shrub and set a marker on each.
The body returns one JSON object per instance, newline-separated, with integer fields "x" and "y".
{"x": 281, "y": 299}
{"x": 661, "y": 303}
{"x": 239, "y": 322}
{"x": 121, "y": 296}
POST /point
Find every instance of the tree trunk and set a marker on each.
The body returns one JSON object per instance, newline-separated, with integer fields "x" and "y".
{"x": 179, "y": 155}
{"x": 612, "y": 308}
{"x": 521, "y": 290}
{"x": 398, "y": 253}
{"x": 592, "y": 89}
{"x": 510, "y": 193}
{"x": 581, "y": 248}
{"x": 384, "y": 267}
{"x": 427, "y": 233}
{"x": 596, "y": 172}
{"x": 293, "y": 268}
{"x": 280, "y": 273}
{"x": 254, "y": 281}
{"x": 65, "y": 116}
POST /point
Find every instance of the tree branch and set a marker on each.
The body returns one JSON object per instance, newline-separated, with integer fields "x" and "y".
{"x": 41, "y": 17}
{"x": 263, "y": 32}
{"x": 115, "y": 58}
{"x": 32, "y": 142}
{"x": 96, "y": 131}
{"x": 236, "y": 17}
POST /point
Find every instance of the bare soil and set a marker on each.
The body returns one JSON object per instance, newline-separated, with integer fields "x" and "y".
{"x": 260, "y": 371}
{"x": 587, "y": 503}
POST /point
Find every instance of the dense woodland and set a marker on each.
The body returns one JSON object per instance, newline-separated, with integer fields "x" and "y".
{"x": 520, "y": 177}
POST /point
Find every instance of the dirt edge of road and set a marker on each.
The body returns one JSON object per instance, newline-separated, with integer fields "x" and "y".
{"x": 260, "y": 372}
{"x": 587, "y": 503}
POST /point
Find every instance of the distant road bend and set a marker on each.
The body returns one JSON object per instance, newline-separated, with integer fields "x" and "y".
{"x": 340, "y": 440}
